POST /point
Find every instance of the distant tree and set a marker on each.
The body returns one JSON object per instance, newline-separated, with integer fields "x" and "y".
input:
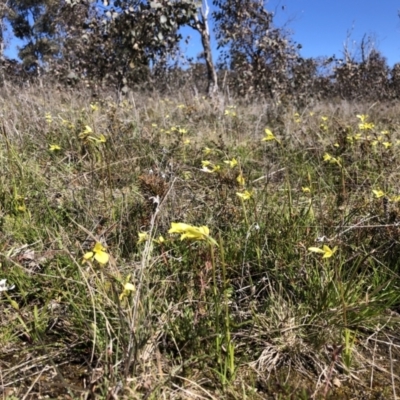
{"x": 116, "y": 41}
{"x": 3, "y": 7}
{"x": 45, "y": 26}
{"x": 363, "y": 73}
{"x": 32, "y": 22}
{"x": 126, "y": 42}
{"x": 258, "y": 54}
{"x": 395, "y": 80}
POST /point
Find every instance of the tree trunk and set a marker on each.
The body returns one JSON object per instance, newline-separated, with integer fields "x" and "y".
{"x": 202, "y": 28}
{"x": 2, "y": 28}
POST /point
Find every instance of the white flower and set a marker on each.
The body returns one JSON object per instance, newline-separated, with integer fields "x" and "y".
{"x": 3, "y": 287}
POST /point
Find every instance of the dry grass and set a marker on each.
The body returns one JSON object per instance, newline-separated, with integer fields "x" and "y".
{"x": 256, "y": 315}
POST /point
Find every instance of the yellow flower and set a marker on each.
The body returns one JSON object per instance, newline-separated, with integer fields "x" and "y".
{"x": 94, "y": 106}
{"x": 327, "y": 157}
{"x": 154, "y": 125}
{"x": 246, "y": 195}
{"x": 182, "y": 130}
{"x": 232, "y": 163}
{"x": 128, "y": 288}
{"x": 326, "y": 251}
{"x": 159, "y": 240}
{"x": 230, "y": 113}
{"x": 324, "y": 119}
{"x": 387, "y": 144}
{"x": 268, "y": 136}
{"x": 98, "y": 253}
{"x": 143, "y": 236}
{"x": 205, "y": 164}
{"x": 48, "y": 118}
{"x": 364, "y": 125}
{"x": 207, "y": 151}
{"x": 101, "y": 139}
{"x": 88, "y": 131}
{"x": 191, "y": 232}
{"x": 180, "y": 106}
{"x": 240, "y": 180}
{"x": 362, "y": 117}
{"x": 351, "y": 139}
{"x": 378, "y": 193}
{"x": 332, "y": 160}
{"x": 186, "y": 142}
{"x": 54, "y": 147}
{"x": 306, "y": 190}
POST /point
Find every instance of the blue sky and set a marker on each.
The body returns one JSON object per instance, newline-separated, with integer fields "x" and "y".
{"x": 322, "y": 26}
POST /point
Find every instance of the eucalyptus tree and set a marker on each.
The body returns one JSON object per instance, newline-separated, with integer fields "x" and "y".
{"x": 3, "y": 7}
{"x": 117, "y": 41}
{"x": 258, "y": 55}
{"x": 44, "y": 26}
{"x": 129, "y": 39}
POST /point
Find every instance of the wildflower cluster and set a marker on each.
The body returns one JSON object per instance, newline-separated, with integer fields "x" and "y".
{"x": 323, "y": 126}
{"x": 364, "y": 125}
{"x": 210, "y": 167}
{"x": 230, "y": 111}
{"x": 332, "y": 160}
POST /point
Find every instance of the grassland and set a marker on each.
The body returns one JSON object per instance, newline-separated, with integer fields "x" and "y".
{"x": 185, "y": 248}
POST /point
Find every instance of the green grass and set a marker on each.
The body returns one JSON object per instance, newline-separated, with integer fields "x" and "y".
{"x": 244, "y": 312}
